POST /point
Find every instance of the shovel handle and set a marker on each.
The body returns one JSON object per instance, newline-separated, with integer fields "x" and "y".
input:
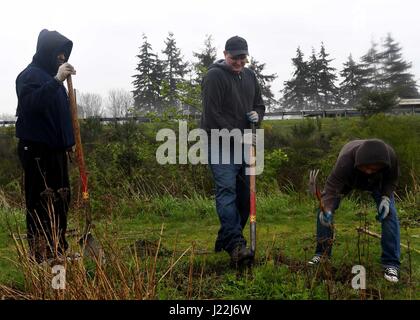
{"x": 253, "y": 200}
{"x": 76, "y": 130}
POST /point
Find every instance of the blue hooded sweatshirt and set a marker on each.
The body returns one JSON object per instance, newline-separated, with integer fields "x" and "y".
{"x": 43, "y": 109}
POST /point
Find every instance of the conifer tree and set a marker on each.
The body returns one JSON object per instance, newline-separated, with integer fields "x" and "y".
{"x": 264, "y": 80}
{"x": 174, "y": 70}
{"x": 353, "y": 84}
{"x": 295, "y": 91}
{"x": 147, "y": 80}
{"x": 395, "y": 70}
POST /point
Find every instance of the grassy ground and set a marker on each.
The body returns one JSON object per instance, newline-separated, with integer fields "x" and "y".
{"x": 185, "y": 266}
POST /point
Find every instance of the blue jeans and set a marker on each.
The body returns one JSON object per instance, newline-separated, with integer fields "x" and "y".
{"x": 390, "y": 240}
{"x": 232, "y": 201}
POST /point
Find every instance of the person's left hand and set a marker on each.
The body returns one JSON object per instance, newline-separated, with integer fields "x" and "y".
{"x": 252, "y": 116}
{"x": 383, "y": 208}
{"x": 325, "y": 218}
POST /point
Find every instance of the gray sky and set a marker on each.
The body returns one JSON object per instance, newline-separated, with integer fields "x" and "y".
{"x": 107, "y": 34}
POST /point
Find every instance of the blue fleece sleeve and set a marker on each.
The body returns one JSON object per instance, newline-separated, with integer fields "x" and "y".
{"x": 34, "y": 93}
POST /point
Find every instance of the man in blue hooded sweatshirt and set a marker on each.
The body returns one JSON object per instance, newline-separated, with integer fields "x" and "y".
{"x": 45, "y": 135}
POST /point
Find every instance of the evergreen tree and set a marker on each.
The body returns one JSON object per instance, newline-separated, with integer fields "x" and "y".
{"x": 353, "y": 85}
{"x": 174, "y": 71}
{"x": 190, "y": 91}
{"x": 295, "y": 91}
{"x": 371, "y": 66}
{"x": 264, "y": 81}
{"x": 395, "y": 70}
{"x": 314, "y": 82}
{"x": 205, "y": 58}
{"x": 147, "y": 81}
{"x": 326, "y": 75}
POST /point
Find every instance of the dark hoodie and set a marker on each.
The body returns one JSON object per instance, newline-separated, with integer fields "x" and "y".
{"x": 228, "y": 96}
{"x": 43, "y": 108}
{"x": 345, "y": 175}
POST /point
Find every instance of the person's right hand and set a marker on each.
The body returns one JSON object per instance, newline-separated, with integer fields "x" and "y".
{"x": 253, "y": 116}
{"x": 64, "y": 71}
{"x": 325, "y": 218}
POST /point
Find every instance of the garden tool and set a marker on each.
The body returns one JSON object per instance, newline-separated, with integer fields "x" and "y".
{"x": 90, "y": 246}
{"x": 252, "y": 189}
{"x": 313, "y": 187}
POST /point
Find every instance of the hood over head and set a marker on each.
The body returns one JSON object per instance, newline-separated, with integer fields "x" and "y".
{"x": 372, "y": 151}
{"x": 49, "y": 45}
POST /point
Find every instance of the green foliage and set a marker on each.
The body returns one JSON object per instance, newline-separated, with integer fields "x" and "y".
{"x": 305, "y": 146}
{"x": 121, "y": 157}
{"x": 273, "y": 164}
{"x": 264, "y": 80}
{"x": 376, "y": 101}
{"x": 10, "y": 169}
{"x": 285, "y": 234}
{"x": 313, "y": 81}
{"x": 148, "y": 79}
{"x": 402, "y": 133}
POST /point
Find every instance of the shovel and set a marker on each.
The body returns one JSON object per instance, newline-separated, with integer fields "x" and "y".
{"x": 91, "y": 248}
{"x": 252, "y": 189}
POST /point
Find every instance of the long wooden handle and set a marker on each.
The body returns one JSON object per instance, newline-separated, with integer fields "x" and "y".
{"x": 253, "y": 200}
{"x": 378, "y": 236}
{"x": 76, "y": 130}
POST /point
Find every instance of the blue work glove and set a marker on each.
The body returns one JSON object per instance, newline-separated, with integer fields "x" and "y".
{"x": 252, "y": 116}
{"x": 325, "y": 218}
{"x": 383, "y": 208}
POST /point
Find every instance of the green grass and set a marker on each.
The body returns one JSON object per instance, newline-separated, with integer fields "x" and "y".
{"x": 286, "y": 234}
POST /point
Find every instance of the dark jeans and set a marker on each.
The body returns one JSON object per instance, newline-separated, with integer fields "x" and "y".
{"x": 47, "y": 196}
{"x": 232, "y": 201}
{"x": 390, "y": 240}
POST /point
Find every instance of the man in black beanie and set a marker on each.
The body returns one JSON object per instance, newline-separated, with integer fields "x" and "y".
{"x": 369, "y": 165}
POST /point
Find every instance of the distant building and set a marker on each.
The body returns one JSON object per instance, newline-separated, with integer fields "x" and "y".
{"x": 409, "y": 103}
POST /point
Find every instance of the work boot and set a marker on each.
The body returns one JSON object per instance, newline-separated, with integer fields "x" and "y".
{"x": 218, "y": 245}
{"x": 239, "y": 255}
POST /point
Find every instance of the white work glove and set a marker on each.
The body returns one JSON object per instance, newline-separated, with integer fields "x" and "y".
{"x": 383, "y": 209}
{"x": 64, "y": 71}
{"x": 252, "y": 116}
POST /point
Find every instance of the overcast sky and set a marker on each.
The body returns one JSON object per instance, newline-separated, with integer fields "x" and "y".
{"x": 107, "y": 34}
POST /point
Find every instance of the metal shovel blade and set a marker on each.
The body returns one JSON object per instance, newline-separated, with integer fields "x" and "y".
{"x": 91, "y": 248}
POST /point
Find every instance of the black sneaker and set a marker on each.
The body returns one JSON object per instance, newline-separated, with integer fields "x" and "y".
{"x": 391, "y": 274}
{"x": 240, "y": 254}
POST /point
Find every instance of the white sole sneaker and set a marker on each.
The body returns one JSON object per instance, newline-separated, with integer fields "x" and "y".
{"x": 391, "y": 274}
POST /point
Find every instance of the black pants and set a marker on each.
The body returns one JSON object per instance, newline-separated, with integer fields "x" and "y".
{"x": 47, "y": 196}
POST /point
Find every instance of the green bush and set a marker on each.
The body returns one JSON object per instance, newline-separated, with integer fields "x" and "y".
{"x": 121, "y": 159}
